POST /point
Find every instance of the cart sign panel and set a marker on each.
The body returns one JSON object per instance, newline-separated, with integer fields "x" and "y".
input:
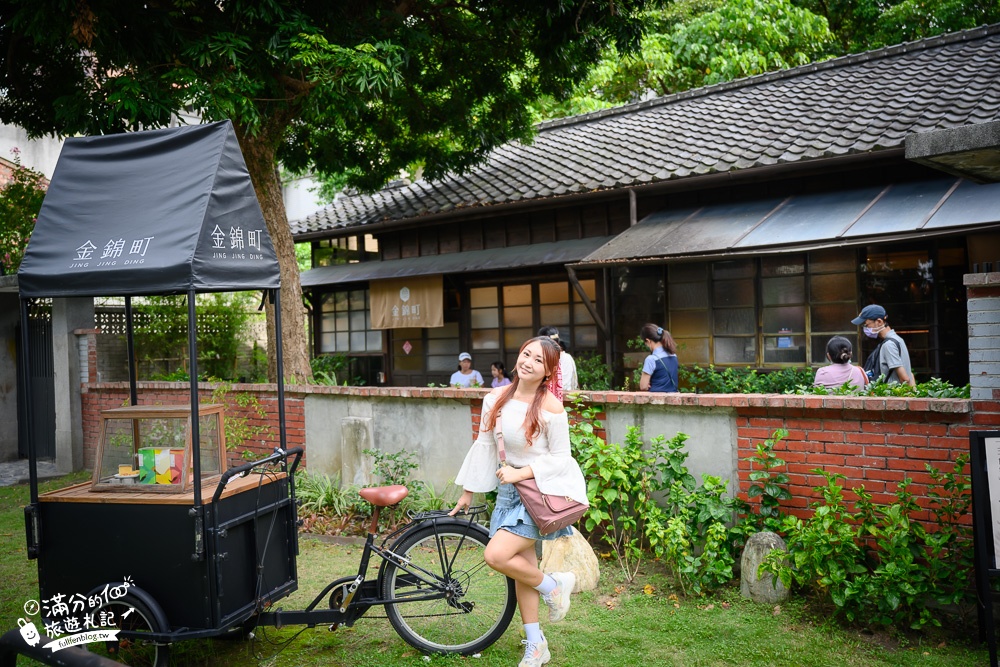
{"x": 156, "y": 212}
{"x": 993, "y": 472}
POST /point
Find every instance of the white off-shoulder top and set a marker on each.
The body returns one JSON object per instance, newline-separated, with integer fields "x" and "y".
{"x": 556, "y": 471}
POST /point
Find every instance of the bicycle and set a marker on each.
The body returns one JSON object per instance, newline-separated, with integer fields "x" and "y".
{"x": 433, "y": 570}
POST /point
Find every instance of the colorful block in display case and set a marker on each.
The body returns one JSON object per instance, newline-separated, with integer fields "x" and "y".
{"x": 160, "y": 466}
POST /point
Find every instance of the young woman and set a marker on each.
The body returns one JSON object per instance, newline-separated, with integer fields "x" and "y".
{"x": 565, "y": 380}
{"x": 840, "y": 370}
{"x": 536, "y": 439}
{"x": 659, "y": 370}
{"x": 465, "y": 376}
{"x": 500, "y": 378}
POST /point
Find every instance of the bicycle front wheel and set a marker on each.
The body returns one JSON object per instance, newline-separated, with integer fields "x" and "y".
{"x": 130, "y": 615}
{"x": 479, "y": 602}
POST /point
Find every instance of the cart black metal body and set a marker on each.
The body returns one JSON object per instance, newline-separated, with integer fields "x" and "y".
{"x": 168, "y": 567}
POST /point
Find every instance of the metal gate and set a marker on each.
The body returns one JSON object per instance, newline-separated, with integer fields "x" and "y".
{"x": 43, "y": 393}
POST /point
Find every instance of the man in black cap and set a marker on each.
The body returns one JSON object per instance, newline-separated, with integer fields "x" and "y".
{"x": 890, "y": 358}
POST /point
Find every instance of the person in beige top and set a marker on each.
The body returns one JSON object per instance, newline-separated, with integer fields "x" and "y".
{"x": 536, "y": 436}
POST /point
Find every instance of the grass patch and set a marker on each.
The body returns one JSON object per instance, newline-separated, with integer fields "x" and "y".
{"x": 640, "y": 624}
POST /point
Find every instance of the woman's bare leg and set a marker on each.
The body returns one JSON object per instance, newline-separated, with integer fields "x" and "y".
{"x": 514, "y": 556}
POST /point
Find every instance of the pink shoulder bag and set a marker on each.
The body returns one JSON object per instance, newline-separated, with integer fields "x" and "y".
{"x": 549, "y": 512}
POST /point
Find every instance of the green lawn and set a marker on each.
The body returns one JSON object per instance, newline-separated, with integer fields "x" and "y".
{"x": 615, "y": 625}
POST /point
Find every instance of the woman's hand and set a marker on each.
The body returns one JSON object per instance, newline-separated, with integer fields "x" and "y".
{"x": 462, "y": 504}
{"x": 512, "y": 475}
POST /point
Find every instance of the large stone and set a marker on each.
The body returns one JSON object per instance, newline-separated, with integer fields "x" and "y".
{"x": 572, "y": 554}
{"x": 766, "y": 588}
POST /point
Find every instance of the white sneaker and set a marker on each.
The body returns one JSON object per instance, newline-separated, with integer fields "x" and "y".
{"x": 535, "y": 655}
{"x": 558, "y": 600}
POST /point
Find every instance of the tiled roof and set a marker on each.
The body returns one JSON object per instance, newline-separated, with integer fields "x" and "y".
{"x": 855, "y": 104}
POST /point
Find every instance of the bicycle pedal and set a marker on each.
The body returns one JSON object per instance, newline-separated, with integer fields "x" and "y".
{"x": 333, "y": 626}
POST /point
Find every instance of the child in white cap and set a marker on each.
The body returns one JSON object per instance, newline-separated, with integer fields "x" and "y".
{"x": 465, "y": 376}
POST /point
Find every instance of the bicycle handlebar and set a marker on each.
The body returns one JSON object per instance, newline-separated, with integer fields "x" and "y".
{"x": 278, "y": 455}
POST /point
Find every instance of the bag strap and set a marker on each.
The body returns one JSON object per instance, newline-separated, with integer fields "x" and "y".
{"x": 660, "y": 359}
{"x": 498, "y": 434}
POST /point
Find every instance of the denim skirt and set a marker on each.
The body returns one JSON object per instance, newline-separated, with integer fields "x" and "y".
{"x": 511, "y": 515}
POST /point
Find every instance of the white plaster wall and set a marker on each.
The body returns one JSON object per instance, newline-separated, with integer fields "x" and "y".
{"x": 437, "y": 432}
{"x": 38, "y": 154}
{"x": 711, "y": 443}
{"x": 300, "y": 197}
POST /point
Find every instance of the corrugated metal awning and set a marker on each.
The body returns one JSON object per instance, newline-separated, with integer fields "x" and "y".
{"x": 806, "y": 222}
{"x": 538, "y": 254}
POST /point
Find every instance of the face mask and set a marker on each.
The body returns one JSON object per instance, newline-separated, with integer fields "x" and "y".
{"x": 872, "y": 333}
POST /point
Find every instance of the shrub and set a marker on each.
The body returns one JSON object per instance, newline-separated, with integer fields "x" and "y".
{"x": 592, "y": 373}
{"x": 20, "y": 201}
{"x": 327, "y": 368}
{"x": 874, "y": 563}
{"x": 933, "y": 388}
{"x": 239, "y": 428}
{"x": 768, "y": 484}
{"x": 742, "y": 380}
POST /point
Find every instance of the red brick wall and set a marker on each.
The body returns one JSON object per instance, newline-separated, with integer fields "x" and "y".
{"x": 116, "y": 394}
{"x": 874, "y": 443}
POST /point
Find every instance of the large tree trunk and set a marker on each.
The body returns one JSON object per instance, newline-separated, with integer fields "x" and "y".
{"x": 259, "y": 153}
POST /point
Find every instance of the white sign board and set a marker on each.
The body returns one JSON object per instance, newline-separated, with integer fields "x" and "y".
{"x": 992, "y": 446}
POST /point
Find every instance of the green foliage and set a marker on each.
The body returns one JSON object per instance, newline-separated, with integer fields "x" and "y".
{"x": 768, "y": 483}
{"x": 698, "y": 43}
{"x": 742, "y": 380}
{"x": 873, "y": 562}
{"x": 861, "y": 25}
{"x": 20, "y": 200}
{"x": 933, "y": 388}
{"x": 643, "y": 499}
{"x": 950, "y": 556}
{"x": 394, "y": 468}
{"x": 592, "y": 372}
{"x": 364, "y": 91}
{"x": 237, "y": 425}
{"x": 326, "y": 368}
{"x": 161, "y": 330}
{"x": 303, "y": 256}
{"x": 321, "y": 494}
{"x": 823, "y": 551}
{"x": 397, "y": 468}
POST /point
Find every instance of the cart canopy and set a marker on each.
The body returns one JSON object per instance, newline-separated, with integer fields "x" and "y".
{"x": 158, "y": 212}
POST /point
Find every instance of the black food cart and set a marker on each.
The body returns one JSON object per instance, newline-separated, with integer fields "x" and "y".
{"x": 163, "y": 534}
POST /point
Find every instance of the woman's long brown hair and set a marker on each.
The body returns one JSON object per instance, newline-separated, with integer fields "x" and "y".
{"x": 533, "y": 419}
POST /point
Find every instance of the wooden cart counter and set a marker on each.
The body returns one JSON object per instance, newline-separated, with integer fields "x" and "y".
{"x": 84, "y": 493}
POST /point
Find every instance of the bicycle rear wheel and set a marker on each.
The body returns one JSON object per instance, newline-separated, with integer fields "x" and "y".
{"x": 480, "y": 601}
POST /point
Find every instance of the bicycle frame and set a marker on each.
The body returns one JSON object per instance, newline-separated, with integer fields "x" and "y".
{"x": 352, "y": 596}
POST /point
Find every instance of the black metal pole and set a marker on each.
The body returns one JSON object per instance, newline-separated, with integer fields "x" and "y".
{"x": 197, "y": 512}
{"x": 195, "y": 426}
{"x": 279, "y": 360}
{"x": 130, "y": 350}
{"x": 28, "y": 413}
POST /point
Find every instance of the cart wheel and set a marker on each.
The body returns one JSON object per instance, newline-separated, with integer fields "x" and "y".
{"x": 132, "y": 617}
{"x": 479, "y": 603}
